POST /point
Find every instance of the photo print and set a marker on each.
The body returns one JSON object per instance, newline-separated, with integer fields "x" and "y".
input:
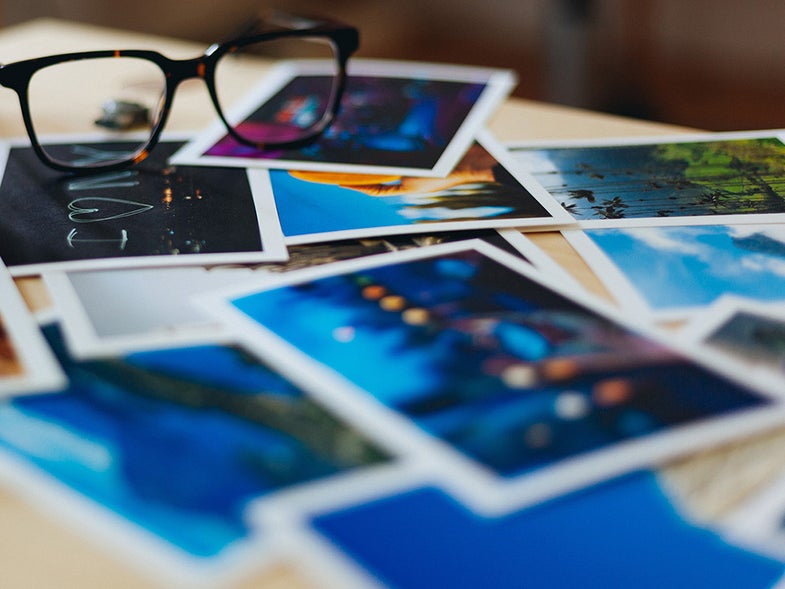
{"x": 430, "y": 530}
{"x": 164, "y": 454}
{"x": 744, "y": 331}
{"x": 27, "y": 365}
{"x": 485, "y": 190}
{"x": 689, "y": 179}
{"x": 521, "y": 390}
{"x": 395, "y": 118}
{"x": 668, "y": 273}
{"x": 150, "y": 214}
{"x": 112, "y": 312}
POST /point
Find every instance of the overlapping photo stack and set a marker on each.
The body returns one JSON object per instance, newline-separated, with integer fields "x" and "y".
{"x": 350, "y": 354}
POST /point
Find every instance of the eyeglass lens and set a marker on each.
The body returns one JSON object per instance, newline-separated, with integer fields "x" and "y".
{"x": 291, "y": 114}
{"x": 102, "y": 85}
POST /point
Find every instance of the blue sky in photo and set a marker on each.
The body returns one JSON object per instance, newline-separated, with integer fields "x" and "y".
{"x": 309, "y": 207}
{"x": 674, "y": 267}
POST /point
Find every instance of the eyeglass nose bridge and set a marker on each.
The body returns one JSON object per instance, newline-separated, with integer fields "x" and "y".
{"x": 178, "y": 71}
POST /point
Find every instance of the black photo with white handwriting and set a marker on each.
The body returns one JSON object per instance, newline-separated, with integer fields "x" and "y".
{"x": 152, "y": 209}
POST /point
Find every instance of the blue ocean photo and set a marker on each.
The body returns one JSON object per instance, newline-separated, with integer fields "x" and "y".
{"x": 180, "y": 442}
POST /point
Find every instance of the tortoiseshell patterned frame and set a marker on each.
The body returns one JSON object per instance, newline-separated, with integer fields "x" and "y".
{"x": 343, "y": 38}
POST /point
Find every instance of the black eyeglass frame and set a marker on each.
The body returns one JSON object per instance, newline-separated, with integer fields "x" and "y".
{"x": 344, "y": 39}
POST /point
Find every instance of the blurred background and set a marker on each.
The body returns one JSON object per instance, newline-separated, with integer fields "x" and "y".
{"x": 709, "y": 64}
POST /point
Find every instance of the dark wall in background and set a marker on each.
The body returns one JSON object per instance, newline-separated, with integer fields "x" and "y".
{"x": 712, "y": 64}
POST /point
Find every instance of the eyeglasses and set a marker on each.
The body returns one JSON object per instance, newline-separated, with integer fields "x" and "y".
{"x": 148, "y": 80}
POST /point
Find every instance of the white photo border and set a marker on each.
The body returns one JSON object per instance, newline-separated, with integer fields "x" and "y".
{"x": 41, "y": 372}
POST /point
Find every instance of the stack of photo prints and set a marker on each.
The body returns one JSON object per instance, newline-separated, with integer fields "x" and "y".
{"x": 349, "y": 357}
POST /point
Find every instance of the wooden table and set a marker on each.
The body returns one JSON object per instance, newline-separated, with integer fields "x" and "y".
{"x": 37, "y": 550}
